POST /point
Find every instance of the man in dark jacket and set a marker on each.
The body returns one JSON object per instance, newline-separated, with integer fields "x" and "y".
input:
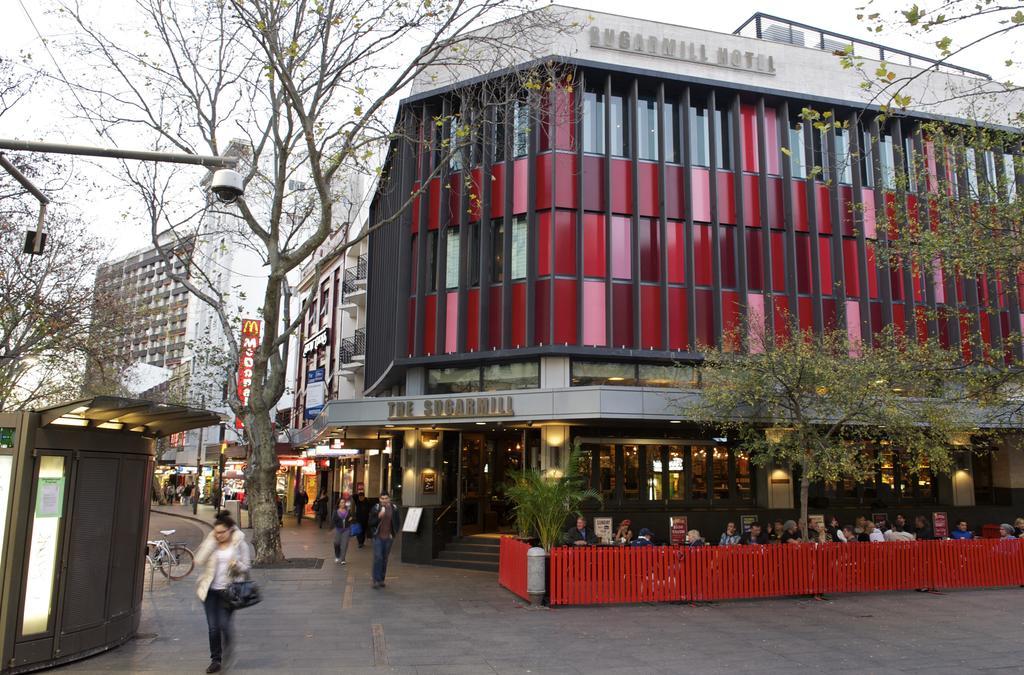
{"x": 385, "y": 523}
{"x": 754, "y": 536}
{"x": 362, "y": 508}
{"x": 579, "y": 535}
{"x": 922, "y": 529}
{"x": 301, "y": 499}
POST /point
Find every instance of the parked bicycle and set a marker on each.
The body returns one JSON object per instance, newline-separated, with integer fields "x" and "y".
{"x": 175, "y": 561}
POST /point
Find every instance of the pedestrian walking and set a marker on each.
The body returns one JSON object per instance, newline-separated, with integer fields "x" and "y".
{"x": 223, "y": 556}
{"x": 301, "y": 499}
{"x": 180, "y": 492}
{"x": 188, "y": 494}
{"x": 321, "y": 507}
{"x": 362, "y": 505}
{"x": 280, "y": 509}
{"x": 384, "y": 523}
{"x": 342, "y": 521}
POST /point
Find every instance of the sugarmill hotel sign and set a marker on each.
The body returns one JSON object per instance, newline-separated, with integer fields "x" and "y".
{"x": 681, "y": 50}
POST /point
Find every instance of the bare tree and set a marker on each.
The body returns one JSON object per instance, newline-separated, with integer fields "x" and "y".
{"x": 311, "y": 88}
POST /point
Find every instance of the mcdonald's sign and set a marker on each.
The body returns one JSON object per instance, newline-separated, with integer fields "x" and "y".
{"x": 250, "y": 342}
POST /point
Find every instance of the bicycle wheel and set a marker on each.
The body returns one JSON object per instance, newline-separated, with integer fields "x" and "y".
{"x": 180, "y": 564}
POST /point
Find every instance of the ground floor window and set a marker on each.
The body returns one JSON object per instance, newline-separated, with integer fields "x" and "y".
{"x": 656, "y": 471}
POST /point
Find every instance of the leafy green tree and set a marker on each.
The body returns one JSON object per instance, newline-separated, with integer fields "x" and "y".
{"x": 822, "y": 403}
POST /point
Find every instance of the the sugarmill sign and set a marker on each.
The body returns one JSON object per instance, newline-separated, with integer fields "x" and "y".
{"x": 476, "y": 406}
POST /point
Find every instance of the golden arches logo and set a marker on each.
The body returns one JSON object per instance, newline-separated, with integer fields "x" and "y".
{"x": 251, "y": 327}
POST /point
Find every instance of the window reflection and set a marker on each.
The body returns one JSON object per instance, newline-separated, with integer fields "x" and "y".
{"x": 699, "y": 464}
{"x": 743, "y": 473}
{"x": 606, "y": 471}
{"x": 720, "y": 464}
{"x": 630, "y": 472}
{"x": 676, "y": 473}
{"x": 655, "y": 474}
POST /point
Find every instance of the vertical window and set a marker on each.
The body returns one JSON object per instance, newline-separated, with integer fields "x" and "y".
{"x": 606, "y": 471}
{"x": 519, "y": 249}
{"x": 497, "y": 135}
{"x": 655, "y": 474}
{"x": 676, "y": 472}
{"x": 457, "y": 136}
{"x": 720, "y": 464}
{"x": 844, "y": 173}
{"x": 909, "y": 164}
{"x": 647, "y": 128}
{"x": 497, "y": 250}
{"x": 671, "y": 140}
{"x": 451, "y": 259}
{"x": 797, "y": 158}
{"x": 699, "y": 471}
{"x": 431, "y": 270}
{"x": 989, "y": 158}
{"x": 723, "y": 136}
{"x": 698, "y": 136}
{"x": 521, "y": 128}
{"x": 867, "y": 167}
{"x": 1009, "y": 177}
{"x": 887, "y": 162}
{"x": 474, "y": 254}
{"x": 593, "y": 122}
{"x": 620, "y": 125}
{"x": 630, "y": 472}
{"x": 744, "y": 483}
{"x": 44, "y": 545}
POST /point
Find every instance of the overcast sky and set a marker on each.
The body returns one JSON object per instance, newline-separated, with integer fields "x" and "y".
{"x": 39, "y": 118}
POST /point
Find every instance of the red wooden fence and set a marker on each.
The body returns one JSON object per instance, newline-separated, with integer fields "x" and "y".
{"x": 594, "y": 575}
{"x": 512, "y": 566}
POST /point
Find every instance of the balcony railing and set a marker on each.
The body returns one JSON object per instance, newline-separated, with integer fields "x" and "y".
{"x": 354, "y": 274}
{"x": 354, "y": 346}
{"x": 776, "y": 29}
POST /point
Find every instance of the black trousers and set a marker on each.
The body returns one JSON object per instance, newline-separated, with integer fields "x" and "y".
{"x": 361, "y": 537}
{"x": 218, "y": 622}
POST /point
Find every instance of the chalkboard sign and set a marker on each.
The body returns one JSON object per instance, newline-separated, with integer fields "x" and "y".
{"x": 429, "y": 482}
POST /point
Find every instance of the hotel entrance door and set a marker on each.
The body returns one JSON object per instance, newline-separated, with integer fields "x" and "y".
{"x": 486, "y": 462}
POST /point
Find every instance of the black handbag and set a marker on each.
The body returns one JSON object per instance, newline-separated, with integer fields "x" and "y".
{"x": 243, "y": 593}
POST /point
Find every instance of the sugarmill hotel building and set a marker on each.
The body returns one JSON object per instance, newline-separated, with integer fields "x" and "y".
{"x": 550, "y": 285}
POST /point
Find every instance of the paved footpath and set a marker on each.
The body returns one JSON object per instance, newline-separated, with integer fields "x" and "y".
{"x": 438, "y": 620}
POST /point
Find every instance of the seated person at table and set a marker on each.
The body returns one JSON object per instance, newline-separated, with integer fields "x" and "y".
{"x": 623, "y": 535}
{"x": 579, "y": 535}
{"x": 646, "y": 538}
{"x": 922, "y": 530}
{"x": 790, "y": 533}
{"x": 693, "y": 538}
{"x": 893, "y": 535}
{"x": 900, "y": 524}
{"x": 1006, "y": 531}
{"x": 874, "y": 534}
{"x": 1018, "y": 527}
{"x": 754, "y": 536}
{"x": 961, "y": 531}
{"x": 847, "y": 535}
{"x": 730, "y": 537}
{"x": 775, "y": 532}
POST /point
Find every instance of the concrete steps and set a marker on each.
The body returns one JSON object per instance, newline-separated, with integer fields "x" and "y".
{"x": 474, "y": 552}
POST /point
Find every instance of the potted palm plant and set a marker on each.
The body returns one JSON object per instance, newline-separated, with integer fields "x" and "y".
{"x": 544, "y": 501}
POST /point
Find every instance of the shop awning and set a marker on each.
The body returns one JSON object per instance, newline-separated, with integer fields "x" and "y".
{"x": 148, "y": 418}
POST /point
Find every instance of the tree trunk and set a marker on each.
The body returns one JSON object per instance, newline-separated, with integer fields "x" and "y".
{"x": 261, "y": 488}
{"x": 804, "y": 485}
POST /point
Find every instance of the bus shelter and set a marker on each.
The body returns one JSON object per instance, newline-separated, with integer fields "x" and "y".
{"x": 75, "y": 484}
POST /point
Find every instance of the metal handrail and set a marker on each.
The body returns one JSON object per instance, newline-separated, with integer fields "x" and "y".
{"x": 883, "y": 50}
{"x": 446, "y": 509}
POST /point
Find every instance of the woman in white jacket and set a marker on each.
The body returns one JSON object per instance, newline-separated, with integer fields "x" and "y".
{"x": 223, "y": 556}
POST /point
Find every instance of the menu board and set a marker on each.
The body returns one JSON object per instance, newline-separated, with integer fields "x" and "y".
{"x": 940, "y": 525}
{"x": 677, "y": 525}
{"x": 746, "y": 522}
{"x": 603, "y": 529}
{"x": 6, "y": 437}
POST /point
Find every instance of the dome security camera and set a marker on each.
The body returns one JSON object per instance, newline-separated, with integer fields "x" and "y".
{"x": 226, "y": 185}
